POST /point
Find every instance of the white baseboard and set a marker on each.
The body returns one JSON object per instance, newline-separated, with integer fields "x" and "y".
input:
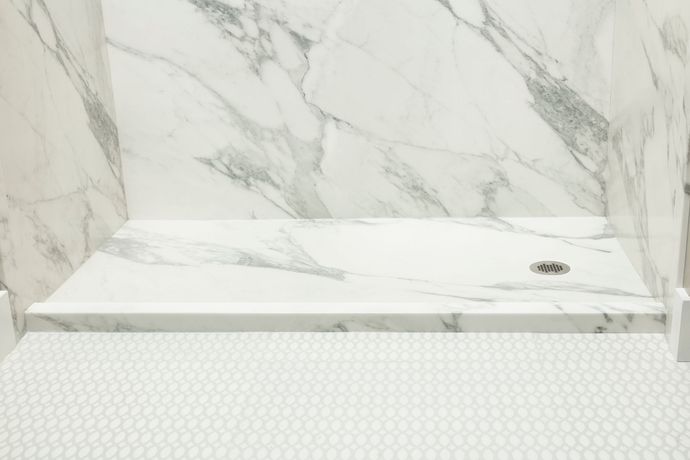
{"x": 7, "y": 336}
{"x": 679, "y": 328}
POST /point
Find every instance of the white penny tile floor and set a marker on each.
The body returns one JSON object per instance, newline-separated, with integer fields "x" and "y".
{"x": 343, "y": 396}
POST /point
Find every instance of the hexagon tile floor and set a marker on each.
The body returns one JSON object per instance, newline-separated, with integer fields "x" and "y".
{"x": 343, "y": 396}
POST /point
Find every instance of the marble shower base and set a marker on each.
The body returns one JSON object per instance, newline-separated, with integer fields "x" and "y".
{"x": 366, "y": 274}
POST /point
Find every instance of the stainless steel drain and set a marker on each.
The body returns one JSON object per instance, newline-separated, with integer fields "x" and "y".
{"x": 550, "y": 267}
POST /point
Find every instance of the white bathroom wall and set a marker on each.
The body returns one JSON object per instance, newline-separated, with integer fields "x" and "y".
{"x": 650, "y": 127}
{"x": 61, "y": 190}
{"x": 349, "y": 108}
{"x": 8, "y": 338}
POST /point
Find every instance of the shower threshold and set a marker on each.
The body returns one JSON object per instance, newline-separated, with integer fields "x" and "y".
{"x": 404, "y": 275}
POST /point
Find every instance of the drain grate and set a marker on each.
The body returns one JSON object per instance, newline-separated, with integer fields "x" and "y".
{"x": 550, "y": 267}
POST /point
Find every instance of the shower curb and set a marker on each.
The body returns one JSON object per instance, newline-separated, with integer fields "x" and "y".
{"x": 570, "y": 317}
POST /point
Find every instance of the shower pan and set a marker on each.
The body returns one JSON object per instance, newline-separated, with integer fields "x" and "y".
{"x": 355, "y": 275}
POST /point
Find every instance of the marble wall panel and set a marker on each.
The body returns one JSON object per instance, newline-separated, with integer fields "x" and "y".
{"x": 349, "y": 108}
{"x": 60, "y": 171}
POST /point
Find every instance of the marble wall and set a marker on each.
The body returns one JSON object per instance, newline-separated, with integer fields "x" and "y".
{"x": 61, "y": 190}
{"x": 650, "y": 126}
{"x": 349, "y": 108}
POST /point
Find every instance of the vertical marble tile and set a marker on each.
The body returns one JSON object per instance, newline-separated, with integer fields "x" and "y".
{"x": 648, "y": 154}
{"x": 60, "y": 171}
{"x": 348, "y": 108}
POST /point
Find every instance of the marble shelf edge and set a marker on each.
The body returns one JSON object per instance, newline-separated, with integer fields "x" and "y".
{"x": 569, "y": 317}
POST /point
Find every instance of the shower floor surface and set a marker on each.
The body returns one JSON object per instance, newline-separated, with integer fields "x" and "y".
{"x": 355, "y": 274}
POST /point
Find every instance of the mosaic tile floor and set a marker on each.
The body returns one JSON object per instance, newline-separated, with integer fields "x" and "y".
{"x": 343, "y": 396}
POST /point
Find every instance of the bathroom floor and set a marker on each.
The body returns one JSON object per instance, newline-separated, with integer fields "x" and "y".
{"x": 368, "y": 274}
{"x": 344, "y": 396}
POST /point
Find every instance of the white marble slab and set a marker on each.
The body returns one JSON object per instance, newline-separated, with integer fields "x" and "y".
{"x": 61, "y": 190}
{"x": 378, "y": 273}
{"x": 348, "y": 108}
{"x": 650, "y": 134}
{"x": 335, "y": 316}
{"x": 344, "y": 396}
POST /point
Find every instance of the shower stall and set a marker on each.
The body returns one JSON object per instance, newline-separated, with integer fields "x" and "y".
{"x": 347, "y": 165}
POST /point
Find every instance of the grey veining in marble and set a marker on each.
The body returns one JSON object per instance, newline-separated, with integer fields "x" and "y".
{"x": 370, "y": 260}
{"x": 60, "y": 170}
{"x": 333, "y": 316}
{"x": 455, "y": 275}
{"x": 349, "y": 108}
{"x": 649, "y": 134}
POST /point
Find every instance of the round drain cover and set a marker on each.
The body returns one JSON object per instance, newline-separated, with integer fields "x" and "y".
{"x": 550, "y": 267}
